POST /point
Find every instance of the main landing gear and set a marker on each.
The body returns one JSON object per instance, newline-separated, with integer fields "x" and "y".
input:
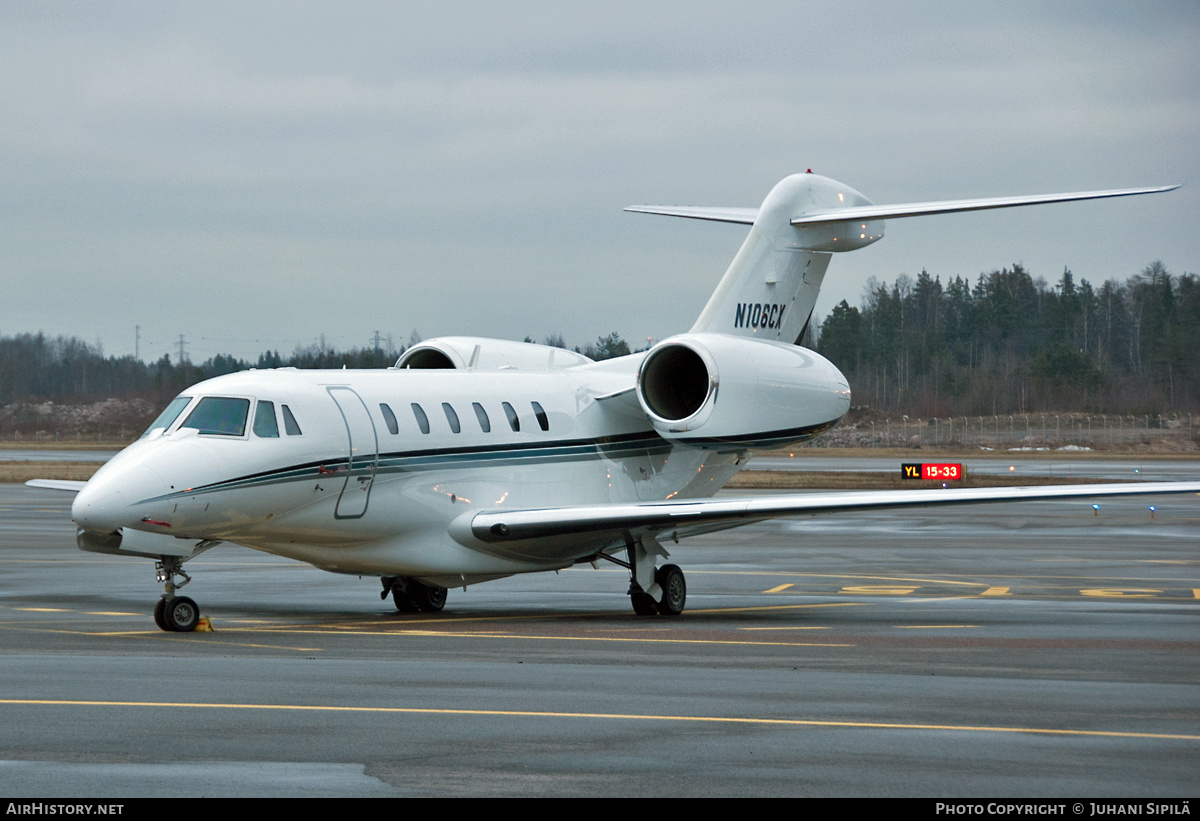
{"x": 411, "y": 596}
{"x": 661, "y": 591}
{"x": 174, "y": 613}
{"x": 669, "y": 584}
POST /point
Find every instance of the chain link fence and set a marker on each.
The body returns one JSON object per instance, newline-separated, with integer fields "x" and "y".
{"x": 120, "y": 436}
{"x": 1035, "y": 431}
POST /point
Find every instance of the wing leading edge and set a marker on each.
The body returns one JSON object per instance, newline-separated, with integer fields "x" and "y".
{"x": 922, "y": 209}
{"x": 746, "y": 216}
{"x": 716, "y": 514}
{"x": 743, "y": 216}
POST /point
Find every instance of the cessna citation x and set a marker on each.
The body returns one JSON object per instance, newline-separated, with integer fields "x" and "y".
{"x": 476, "y": 459}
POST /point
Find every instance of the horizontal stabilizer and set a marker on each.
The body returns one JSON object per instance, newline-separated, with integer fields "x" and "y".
{"x": 922, "y": 209}
{"x": 715, "y": 514}
{"x": 744, "y": 216}
{"x": 56, "y": 484}
{"x": 803, "y": 221}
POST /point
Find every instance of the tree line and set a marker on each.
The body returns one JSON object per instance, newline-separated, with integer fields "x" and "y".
{"x": 37, "y": 368}
{"x": 1010, "y": 343}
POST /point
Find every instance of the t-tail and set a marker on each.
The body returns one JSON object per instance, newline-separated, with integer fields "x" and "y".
{"x": 772, "y": 284}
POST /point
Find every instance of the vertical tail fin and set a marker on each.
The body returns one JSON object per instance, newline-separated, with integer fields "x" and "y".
{"x": 768, "y": 292}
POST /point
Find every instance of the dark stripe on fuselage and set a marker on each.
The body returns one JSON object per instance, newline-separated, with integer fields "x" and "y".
{"x": 571, "y": 450}
{"x": 611, "y": 447}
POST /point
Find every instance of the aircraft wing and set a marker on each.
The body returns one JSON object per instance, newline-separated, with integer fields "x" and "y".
{"x": 744, "y": 216}
{"x": 920, "y": 209}
{"x": 700, "y": 515}
{"x": 56, "y": 484}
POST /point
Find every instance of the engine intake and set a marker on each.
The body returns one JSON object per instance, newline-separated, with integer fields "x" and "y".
{"x": 469, "y": 353}
{"x": 706, "y": 389}
{"x": 675, "y": 382}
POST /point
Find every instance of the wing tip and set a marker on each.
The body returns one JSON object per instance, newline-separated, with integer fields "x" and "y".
{"x": 69, "y": 485}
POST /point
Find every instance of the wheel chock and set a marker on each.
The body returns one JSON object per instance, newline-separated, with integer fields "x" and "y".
{"x": 204, "y": 625}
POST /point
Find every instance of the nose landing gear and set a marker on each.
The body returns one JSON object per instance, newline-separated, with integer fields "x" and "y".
{"x": 174, "y": 613}
{"x": 180, "y": 614}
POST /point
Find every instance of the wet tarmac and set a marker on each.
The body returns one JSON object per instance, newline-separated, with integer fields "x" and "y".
{"x": 1033, "y": 649}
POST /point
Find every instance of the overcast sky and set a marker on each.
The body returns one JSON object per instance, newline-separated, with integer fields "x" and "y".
{"x": 254, "y": 175}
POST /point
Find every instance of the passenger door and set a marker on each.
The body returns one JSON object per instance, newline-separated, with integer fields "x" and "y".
{"x": 363, "y": 452}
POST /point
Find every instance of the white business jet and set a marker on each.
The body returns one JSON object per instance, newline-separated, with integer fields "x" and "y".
{"x": 476, "y": 459}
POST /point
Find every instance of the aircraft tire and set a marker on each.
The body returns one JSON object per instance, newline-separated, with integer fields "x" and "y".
{"x": 181, "y": 614}
{"x": 643, "y": 603}
{"x": 160, "y": 608}
{"x": 674, "y": 586}
{"x": 403, "y": 602}
{"x": 429, "y": 598}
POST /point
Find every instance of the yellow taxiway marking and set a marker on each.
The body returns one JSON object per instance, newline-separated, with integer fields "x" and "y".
{"x": 783, "y": 628}
{"x": 996, "y": 591}
{"x": 273, "y": 646}
{"x": 157, "y": 634}
{"x": 518, "y": 636}
{"x": 450, "y": 621}
{"x": 1074, "y": 581}
{"x": 776, "y": 607}
{"x": 779, "y": 722}
{"x": 1121, "y": 592}
{"x": 787, "y": 574}
{"x": 43, "y": 610}
{"x": 154, "y": 634}
{"x": 1072, "y": 560}
{"x": 111, "y": 613}
{"x": 877, "y": 590}
{"x": 780, "y": 588}
{"x": 933, "y": 626}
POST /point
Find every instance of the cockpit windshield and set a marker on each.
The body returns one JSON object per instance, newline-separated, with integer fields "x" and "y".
{"x": 219, "y": 416}
{"x": 169, "y": 415}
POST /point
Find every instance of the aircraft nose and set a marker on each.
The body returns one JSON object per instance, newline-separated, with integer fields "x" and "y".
{"x": 135, "y": 487}
{"x": 107, "y": 502}
{"x": 99, "y": 507}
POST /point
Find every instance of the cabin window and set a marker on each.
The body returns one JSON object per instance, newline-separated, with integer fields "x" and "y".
{"x": 264, "y": 421}
{"x": 451, "y": 417}
{"x": 422, "y": 419}
{"x": 289, "y": 422}
{"x": 513, "y": 421}
{"x": 390, "y": 418}
{"x": 485, "y": 424}
{"x": 168, "y": 416}
{"x": 543, "y": 420}
{"x": 219, "y": 416}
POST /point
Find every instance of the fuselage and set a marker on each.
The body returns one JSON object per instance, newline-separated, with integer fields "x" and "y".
{"x": 366, "y": 471}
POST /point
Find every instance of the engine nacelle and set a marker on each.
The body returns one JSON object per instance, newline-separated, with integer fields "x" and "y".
{"x": 473, "y": 353}
{"x": 713, "y": 389}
